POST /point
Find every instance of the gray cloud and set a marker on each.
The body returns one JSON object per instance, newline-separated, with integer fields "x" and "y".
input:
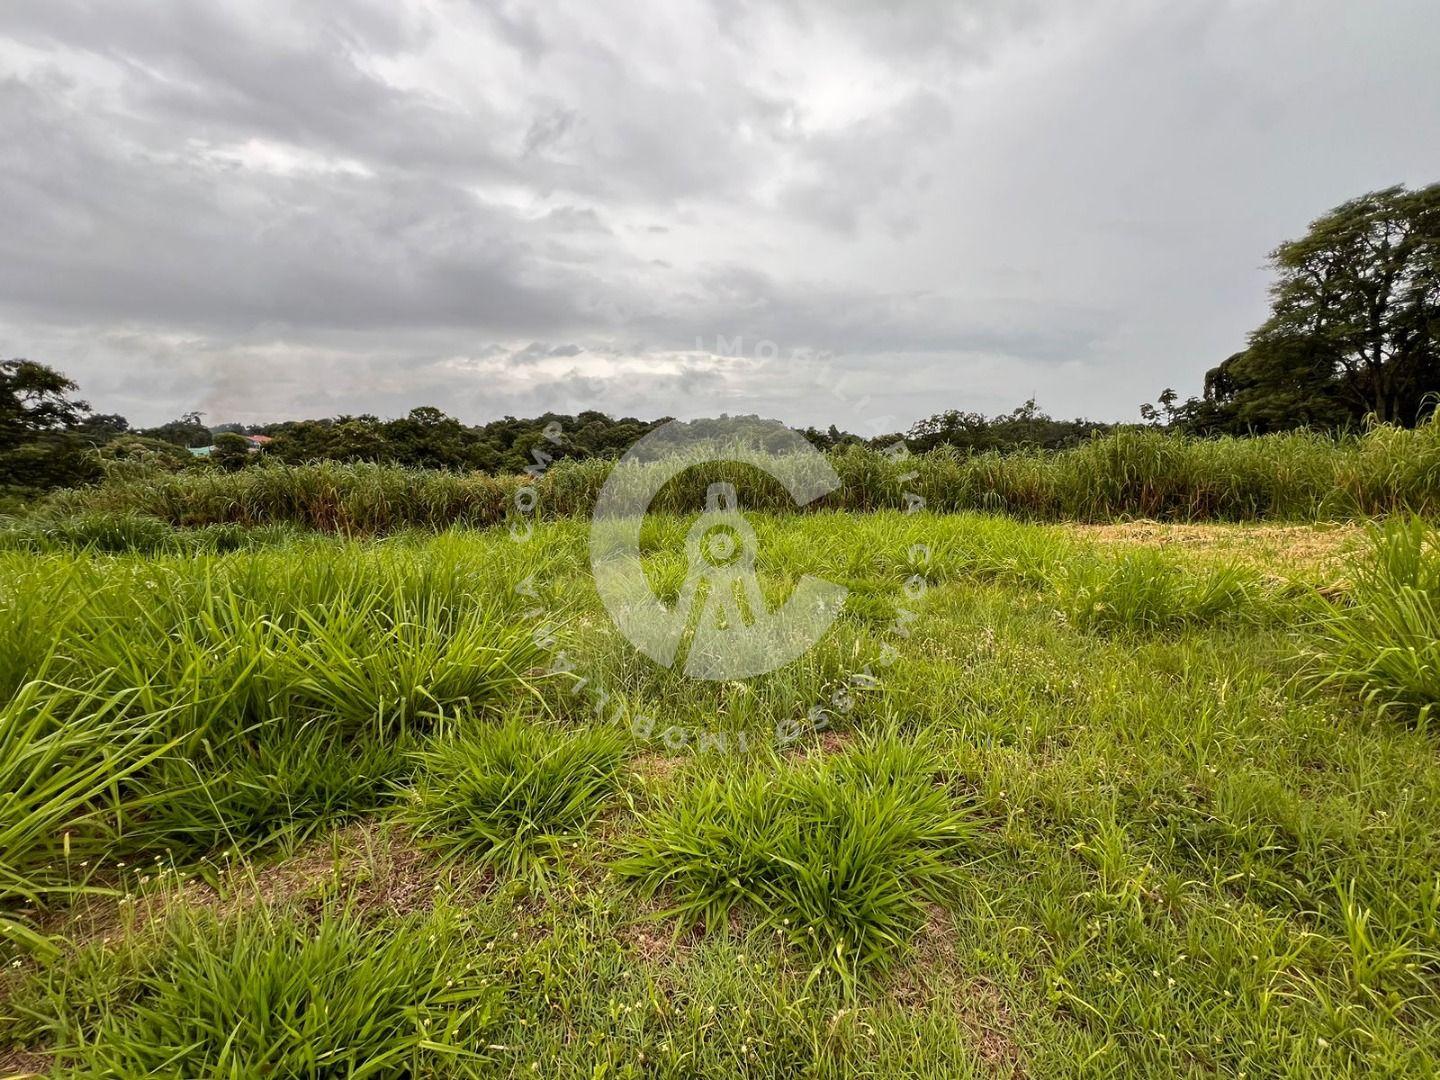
{"x": 267, "y": 211}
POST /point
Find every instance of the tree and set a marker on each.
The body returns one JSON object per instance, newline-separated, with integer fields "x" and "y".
{"x": 1024, "y": 427}
{"x": 1151, "y": 415}
{"x": 99, "y": 429}
{"x": 1280, "y": 383}
{"x": 151, "y": 453}
{"x": 231, "y": 452}
{"x": 35, "y": 398}
{"x": 429, "y": 439}
{"x": 38, "y": 448}
{"x": 1354, "y": 326}
{"x": 187, "y": 431}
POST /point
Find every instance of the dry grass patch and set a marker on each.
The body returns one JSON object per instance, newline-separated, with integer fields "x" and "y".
{"x": 656, "y": 767}
{"x": 1287, "y": 550}
{"x": 22, "y": 1064}
{"x": 658, "y": 944}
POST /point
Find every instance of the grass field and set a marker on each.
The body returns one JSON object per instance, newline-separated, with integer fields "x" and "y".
{"x": 1046, "y": 800}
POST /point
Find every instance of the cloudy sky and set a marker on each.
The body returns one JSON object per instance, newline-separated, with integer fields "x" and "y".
{"x": 816, "y": 211}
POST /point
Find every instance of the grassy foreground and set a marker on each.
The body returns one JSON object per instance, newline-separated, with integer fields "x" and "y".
{"x": 1039, "y": 803}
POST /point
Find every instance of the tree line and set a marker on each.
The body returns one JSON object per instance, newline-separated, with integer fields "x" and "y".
{"x": 1353, "y": 335}
{"x": 49, "y": 438}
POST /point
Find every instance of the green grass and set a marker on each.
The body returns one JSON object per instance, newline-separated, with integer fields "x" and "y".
{"x": 282, "y": 786}
{"x": 1030, "y": 803}
{"x": 187, "y": 702}
{"x": 111, "y": 532}
{"x": 1142, "y": 590}
{"x": 66, "y": 760}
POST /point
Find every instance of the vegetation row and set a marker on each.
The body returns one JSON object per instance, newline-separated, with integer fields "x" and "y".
{"x": 1130, "y": 474}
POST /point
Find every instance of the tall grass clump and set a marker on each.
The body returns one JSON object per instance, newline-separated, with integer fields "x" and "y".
{"x": 840, "y": 856}
{"x": 331, "y": 497}
{"x": 368, "y": 638}
{"x": 249, "y": 697}
{"x": 274, "y": 993}
{"x": 280, "y": 786}
{"x": 512, "y": 795}
{"x": 63, "y": 759}
{"x": 1143, "y": 590}
{"x": 1392, "y": 470}
{"x": 109, "y": 532}
{"x": 1384, "y": 640}
{"x": 100, "y": 531}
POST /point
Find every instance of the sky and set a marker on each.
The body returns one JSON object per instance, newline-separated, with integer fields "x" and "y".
{"x": 840, "y": 212}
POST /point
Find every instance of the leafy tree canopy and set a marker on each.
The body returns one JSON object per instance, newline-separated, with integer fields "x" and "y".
{"x": 40, "y": 447}
{"x": 188, "y": 430}
{"x": 35, "y": 398}
{"x": 1354, "y": 326}
{"x": 231, "y": 451}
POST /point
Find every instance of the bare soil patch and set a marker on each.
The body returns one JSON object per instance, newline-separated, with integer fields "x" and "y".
{"x": 933, "y": 973}
{"x": 378, "y": 868}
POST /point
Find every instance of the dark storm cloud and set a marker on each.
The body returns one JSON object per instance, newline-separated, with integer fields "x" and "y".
{"x": 268, "y": 209}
